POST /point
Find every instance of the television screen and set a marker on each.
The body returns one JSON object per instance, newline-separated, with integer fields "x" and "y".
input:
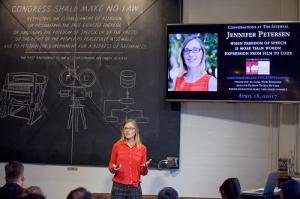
{"x": 234, "y": 62}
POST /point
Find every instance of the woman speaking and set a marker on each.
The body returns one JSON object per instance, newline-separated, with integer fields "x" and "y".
{"x": 128, "y": 162}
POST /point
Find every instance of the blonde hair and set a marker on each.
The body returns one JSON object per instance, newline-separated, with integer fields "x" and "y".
{"x": 137, "y": 138}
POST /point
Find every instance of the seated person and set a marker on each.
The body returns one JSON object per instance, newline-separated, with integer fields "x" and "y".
{"x": 291, "y": 189}
{"x": 14, "y": 176}
{"x": 79, "y": 193}
{"x": 230, "y": 189}
{"x": 33, "y": 192}
{"x": 168, "y": 193}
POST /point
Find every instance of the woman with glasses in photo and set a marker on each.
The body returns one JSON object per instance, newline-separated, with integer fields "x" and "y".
{"x": 195, "y": 76}
{"x": 128, "y": 162}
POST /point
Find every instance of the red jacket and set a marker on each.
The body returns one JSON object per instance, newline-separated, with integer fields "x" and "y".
{"x": 131, "y": 160}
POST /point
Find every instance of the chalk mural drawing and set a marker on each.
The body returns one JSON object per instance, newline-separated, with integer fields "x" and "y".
{"x": 22, "y": 96}
{"x": 77, "y": 83}
{"x": 116, "y": 110}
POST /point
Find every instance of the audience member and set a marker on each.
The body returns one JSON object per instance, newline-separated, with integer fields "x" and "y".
{"x": 14, "y": 176}
{"x": 230, "y": 189}
{"x": 290, "y": 189}
{"x": 79, "y": 193}
{"x": 33, "y": 192}
{"x": 33, "y": 196}
{"x": 168, "y": 193}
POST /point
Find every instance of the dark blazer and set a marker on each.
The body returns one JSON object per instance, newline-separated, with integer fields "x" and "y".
{"x": 291, "y": 189}
{"x": 11, "y": 191}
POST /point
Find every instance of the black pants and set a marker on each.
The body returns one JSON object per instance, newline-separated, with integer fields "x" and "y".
{"x": 122, "y": 191}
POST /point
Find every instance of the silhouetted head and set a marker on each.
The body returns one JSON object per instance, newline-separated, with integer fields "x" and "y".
{"x": 14, "y": 172}
{"x": 168, "y": 193}
{"x": 79, "y": 193}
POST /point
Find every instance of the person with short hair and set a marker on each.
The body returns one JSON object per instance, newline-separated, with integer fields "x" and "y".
{"x": 168, "y": 193}
{"x": 14, "y": 176}
{"x": 79, "y": 193}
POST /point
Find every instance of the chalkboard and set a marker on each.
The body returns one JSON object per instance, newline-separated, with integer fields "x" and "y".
{"x": 72, "y": 71}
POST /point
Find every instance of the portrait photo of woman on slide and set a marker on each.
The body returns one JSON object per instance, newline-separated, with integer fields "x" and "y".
{"x": 193, "y": 70}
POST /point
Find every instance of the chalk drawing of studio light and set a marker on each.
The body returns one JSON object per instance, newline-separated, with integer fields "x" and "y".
{"x": 77, "y": 83}
{"x": 116, "y": 110}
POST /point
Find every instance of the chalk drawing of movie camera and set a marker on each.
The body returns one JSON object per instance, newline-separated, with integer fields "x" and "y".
{"x": 78, "y": 82}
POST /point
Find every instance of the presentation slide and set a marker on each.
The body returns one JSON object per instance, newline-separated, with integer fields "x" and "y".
{"x": 234, "y": 62}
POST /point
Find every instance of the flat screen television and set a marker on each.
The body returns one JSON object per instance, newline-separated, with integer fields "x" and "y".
{"x": 242, "y": 62}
